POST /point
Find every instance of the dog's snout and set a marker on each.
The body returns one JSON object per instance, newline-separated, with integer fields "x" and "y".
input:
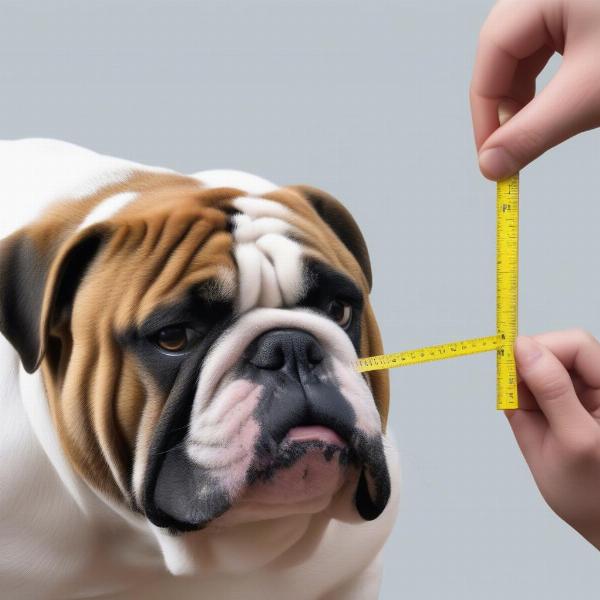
{"x": 281, "y": 349}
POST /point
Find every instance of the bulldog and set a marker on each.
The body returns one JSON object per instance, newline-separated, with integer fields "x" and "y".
{"x": 182, "y": 415}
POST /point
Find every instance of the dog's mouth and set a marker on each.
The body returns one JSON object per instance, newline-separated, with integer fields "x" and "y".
{"x": 317, "y": 433}
{"x": 310, "y": 462}
{"x": 300, "y": 444}
{"x": 301, "y": 473}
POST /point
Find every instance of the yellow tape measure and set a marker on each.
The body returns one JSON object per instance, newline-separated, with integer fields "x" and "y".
{"x": 429, "y": 353}
{"x": 507, "y": 269}
{"x": 507, "y": 276}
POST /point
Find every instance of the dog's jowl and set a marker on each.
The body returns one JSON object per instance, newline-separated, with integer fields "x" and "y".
{"x": 178, "y": 378}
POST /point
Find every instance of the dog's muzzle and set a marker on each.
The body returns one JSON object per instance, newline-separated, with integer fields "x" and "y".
{"x": 279, "y": 417}
{"x": 289, "y": 364}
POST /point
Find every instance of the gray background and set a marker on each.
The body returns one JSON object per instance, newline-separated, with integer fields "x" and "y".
{"x": 368, "y": 100}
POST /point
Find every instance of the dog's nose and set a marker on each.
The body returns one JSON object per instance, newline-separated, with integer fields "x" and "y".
{"x": 283, "y": 349}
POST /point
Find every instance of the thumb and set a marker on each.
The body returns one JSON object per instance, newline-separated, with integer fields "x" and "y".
{"x": 550, "y": 384}
{"x": 568, "y": 105}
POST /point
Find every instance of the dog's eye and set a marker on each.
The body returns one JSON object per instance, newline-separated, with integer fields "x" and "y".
{"x": 173, "y": 339}
{"x": 340, "y": 312}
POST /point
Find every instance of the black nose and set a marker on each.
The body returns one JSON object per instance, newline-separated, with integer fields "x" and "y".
{"x": 285, "y": 349}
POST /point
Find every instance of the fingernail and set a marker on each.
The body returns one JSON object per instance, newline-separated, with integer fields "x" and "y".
{"x": 497, "y": 163}
{"x": 507, "y": 108}
{"x": 527, "y": 351}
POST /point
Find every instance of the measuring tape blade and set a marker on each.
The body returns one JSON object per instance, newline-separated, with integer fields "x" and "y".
{"x": 507, "y": 271}
{"x": 429, "y": 353}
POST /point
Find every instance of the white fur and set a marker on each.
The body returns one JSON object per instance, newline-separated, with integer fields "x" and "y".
{"x": 37, "y": 172}
{"x": 226, "y": 354}
{"x": 235, "y": 179}
{"x": 269, "y": 263}
{"x": 108, "y": 208}
{"x": 61, "y": 539}
{"x": 261, "y": 207}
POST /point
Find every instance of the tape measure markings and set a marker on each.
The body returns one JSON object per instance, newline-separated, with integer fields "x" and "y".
{"x": 429, "y": 353}
{"x": 507, "y": 270}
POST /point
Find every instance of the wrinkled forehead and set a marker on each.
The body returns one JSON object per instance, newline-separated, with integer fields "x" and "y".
{"x": 277, "y": 252}
{"x": 223, "y": 243}
{"x": 268, "y": 253}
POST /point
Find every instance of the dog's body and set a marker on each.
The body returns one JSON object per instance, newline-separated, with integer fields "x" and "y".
{"x": 249, "y": 458}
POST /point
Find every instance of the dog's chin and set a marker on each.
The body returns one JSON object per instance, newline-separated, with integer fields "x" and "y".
{"x": 305, "y": 476}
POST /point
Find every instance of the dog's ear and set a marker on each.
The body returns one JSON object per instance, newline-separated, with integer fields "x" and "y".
{"x": 338, "y": 217}
{"x": 39, "y": 275}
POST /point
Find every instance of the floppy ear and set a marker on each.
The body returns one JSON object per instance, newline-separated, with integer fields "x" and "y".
{"x": 338, "y": 217}
{"x": 39, "y": 276}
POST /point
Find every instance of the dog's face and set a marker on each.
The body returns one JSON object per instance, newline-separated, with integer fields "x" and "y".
{"x": 198, "y": 349}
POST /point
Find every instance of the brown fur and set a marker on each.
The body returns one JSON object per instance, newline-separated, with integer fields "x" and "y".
{"x": 173, "y": 236}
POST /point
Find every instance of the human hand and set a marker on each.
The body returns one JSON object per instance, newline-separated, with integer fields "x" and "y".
{"x": 557, "y": 425}
{"x": 515, "y": 43}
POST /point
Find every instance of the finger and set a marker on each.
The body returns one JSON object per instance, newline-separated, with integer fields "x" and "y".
{"x": 547, "y": 379}
{"x": 577, "y": 350}
{"x": 528, "y": 423}
{"x": 568, "y": 105}
{"x": 523, "y": 86}
{"x": 529, "y": 429}
{"x": 589, "y": 397}
{"x": 580, "y": 386}
{"x": 517, "y": 94}
{"x": 510, "y": 37}
{"x": 527, "y": 400}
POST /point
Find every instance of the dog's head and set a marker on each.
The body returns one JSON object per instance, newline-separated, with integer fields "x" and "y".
{"x": 198, "y": 348}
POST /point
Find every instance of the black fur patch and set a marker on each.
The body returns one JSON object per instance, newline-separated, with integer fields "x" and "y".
{"x": 289, "y": 453}
{"x": 172, "y": 481}
{"x": 23, "y": 273}
{"x": 23, "y": 289}
{"x": 324, "y": 284}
